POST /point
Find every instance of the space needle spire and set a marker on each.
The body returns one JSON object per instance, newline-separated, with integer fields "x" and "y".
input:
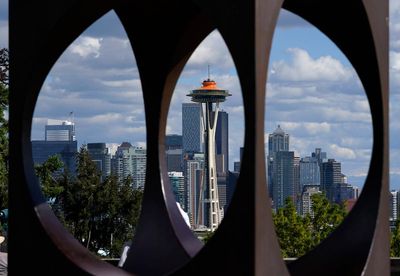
{"x": 209, "y": 96}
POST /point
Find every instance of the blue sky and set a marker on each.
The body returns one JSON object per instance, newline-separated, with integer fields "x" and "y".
{"x": 312, "y": 91}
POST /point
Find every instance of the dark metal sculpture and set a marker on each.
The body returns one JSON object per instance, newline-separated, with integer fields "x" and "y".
{"x": 163, "y": 35}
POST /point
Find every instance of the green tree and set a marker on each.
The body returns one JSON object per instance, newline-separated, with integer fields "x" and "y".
{"x": 395, "y": 241}
{"x": 297, "y": 235}
{"x": 101, "y": 215}
{"x": 47, "y": 174}
{"x": 79, "y": 205}
{"x": 4, "y": 67}
{"x": 293, "y": 231}
{"x": 129, "y": 207}
{"x": 326, "y": 217}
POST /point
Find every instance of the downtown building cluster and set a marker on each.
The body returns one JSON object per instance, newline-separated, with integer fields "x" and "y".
{"x": 128, "y": 162}
{"x": 298, "y": 178}
{"x": 289, "y": 176}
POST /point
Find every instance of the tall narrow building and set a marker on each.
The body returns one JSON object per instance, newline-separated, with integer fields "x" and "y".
{"x": 331, "y": 176}
{"x": 194, "y": 175}
{"x": 281, "y": 169}
{"x": 192, "y": 130}
{"x": 283, "y": 184}
{"x": 99, "y": 154}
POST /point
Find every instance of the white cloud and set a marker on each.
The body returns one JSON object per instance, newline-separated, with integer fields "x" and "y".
{"x": 317, "y": 128}
{"x": 122, "y": 83}
{"x": 212, "y": 51}
{"x": 394, "y": 61}
{"x": 102, "y": 118}
{"x": 304, "y": 68}
{"x": 86, "y": 46}
{"x": 342, "y": 152}
{"x": 394, "y": 24}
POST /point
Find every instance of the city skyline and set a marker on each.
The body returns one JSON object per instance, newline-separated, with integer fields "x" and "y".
{"x": 312, "y": 92}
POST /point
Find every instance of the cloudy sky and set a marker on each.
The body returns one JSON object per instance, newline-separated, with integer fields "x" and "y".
{"x": 312, "y": 91}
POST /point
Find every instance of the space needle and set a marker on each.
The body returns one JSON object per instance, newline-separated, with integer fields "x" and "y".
{"x": 210, "y": 95}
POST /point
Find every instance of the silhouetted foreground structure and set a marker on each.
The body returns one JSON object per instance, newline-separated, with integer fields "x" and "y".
{"x": 163, "y": 35}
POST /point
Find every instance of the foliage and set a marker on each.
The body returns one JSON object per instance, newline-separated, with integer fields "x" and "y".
{"x": 4, "y": 67}
{"x": 100, "y": 215}
{"x": 297, "y": 235}
{"x": 395, "y": 241}
{"x": 327, "y": 216}
{"x": 293, "y": 231}
{"x": 207, "y": 236}
{"x": 46, "y": 173}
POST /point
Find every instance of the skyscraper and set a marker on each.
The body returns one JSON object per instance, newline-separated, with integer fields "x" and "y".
{"x": 278, "y": 141}
{"x": 173, "y": 141}
{"x": 194, "y": 175}
{"x": 281, "y": 168}
{"x": 222, "y": 141}
{"x": 59, "y": 140}
{"x": 58, "y": 130}
{"x": 174, "y": 160}
{"x": 309, "y": 171}
{"x": 306, "y": 201}
{"x": 130, "y": 161}
{"x": 99, "y": 154}
{"x": 192, "y": 130}
{"x": 331, "y": 175}
{"x": 177, "y": 182}
{"x": 283, "y": 178}
{"x": 174, "y": 152}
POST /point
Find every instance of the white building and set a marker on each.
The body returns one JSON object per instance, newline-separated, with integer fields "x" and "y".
{"x": 130, "y": 161}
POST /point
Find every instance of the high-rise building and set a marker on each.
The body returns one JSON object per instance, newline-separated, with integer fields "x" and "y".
{"x": 236, "y": 166}
{"x": 66, "y": 150}
{"x": 319, "y": 155}
{"x": 231, "y": 186}
{"x": 139, "y": 160}
{"x": 393, "y": 205}
{"x": 283, "y": 178}
{"x": 222, "y": 141}
{"x": 174, "y": 160}
{"x": 173, "y": 142}
{"x": 192, "y": 130}
{"x": 309, "y": 171}
{"x": 296, "y": 181}
{"x": 58, "y": 130}
{"x": 331, "y": 176}
{"x": 306, "y": 199}
{"x": 99, "y": 154}
{"x": 194, "y": 175}
{"x": 130, "y": 161}
{"x": 278, "y": 141}
{"x": 344, "y": 192}
{"x": 281, "y": 168}
{"x": 59, "y": 140}
{"x": 177, "y": 182}
{"x": 174, "y": 152}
